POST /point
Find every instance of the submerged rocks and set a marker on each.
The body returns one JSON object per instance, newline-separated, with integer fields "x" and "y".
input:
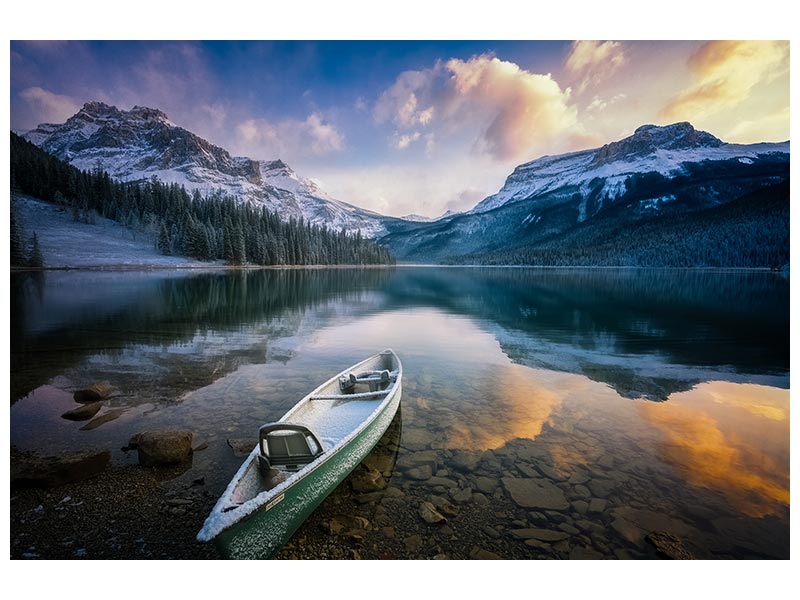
{"x": 543, "y": 535}
{"x": 478, "y": 553}
{"x": 94, "y": 393}
{"x": 669, "y": 546}
{"x": 444, "y": 506}
{"x": 424, "y": 458}
{"x": 417, "y": 439}
{"x": 430, "y": 515}
{"x": 420, "y": 473}
{"x": 347, "y": 524}
{"x": 486, "y": 485}
{"x": 441, "y": 481}
{"x": 242, "y": 447}
{"x": 111, "y": 415}
{"x": 597, "y": 505}
{"x": 633, "y": 524}
{"x": 535, "y": 493}
{"x": 83, "y": 412}
{"x": 465, "y": 461}
{"x": 165, "y": 446}
{"x": 33, "y": 471}
{"x": 366, "y": 480}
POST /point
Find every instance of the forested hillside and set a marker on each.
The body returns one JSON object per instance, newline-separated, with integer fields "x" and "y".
{"x": 751, "y": 231}
{"x": 213, "y": 227}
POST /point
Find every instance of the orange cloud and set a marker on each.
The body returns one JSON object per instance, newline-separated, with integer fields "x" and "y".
{"x": 510, "y": 112}
{"x": 594, "y": 61}
{"x": 726, "y": 74}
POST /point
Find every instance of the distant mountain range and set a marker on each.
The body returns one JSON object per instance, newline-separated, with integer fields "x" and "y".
{"x": 142, "y": 143}
{"x": 580, "y": 207}
{"x": 659, "y": 197}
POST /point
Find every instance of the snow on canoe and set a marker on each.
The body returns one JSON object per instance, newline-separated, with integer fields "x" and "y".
{"x": 301, "y": 458}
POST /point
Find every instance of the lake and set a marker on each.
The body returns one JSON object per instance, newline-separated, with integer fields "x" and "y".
{"x": 651, "y": 406}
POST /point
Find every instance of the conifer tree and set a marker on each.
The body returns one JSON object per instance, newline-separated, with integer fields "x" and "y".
{"x": 35, "y": 260}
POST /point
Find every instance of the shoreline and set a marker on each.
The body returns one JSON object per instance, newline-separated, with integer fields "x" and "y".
{"x": 213, "y": 267}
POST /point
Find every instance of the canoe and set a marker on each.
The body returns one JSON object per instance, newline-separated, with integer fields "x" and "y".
{"x": 301, "y": 458}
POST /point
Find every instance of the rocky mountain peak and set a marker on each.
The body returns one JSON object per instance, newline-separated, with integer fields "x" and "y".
{"x": 650, "y": 138}
{"x": 142, "y": 142}
{"x": 145, "y": 112}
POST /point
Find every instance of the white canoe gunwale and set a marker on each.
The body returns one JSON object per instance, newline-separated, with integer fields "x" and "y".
{"x": 227, "y": 514}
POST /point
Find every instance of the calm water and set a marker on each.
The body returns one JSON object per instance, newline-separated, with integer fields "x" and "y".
{"x": 637, "y": 401}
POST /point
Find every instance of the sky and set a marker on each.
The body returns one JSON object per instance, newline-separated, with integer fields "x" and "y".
{"x": 412, "y": 127}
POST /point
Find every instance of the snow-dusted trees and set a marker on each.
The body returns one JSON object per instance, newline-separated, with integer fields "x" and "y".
{"x": 214, "y": 227}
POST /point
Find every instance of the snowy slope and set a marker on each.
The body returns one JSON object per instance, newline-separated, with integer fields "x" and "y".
{"x": 651, "y": 149}
{"x": 658, "y": 172}
{"x": 102, "y": 244}
{"x": 143, "y": 143}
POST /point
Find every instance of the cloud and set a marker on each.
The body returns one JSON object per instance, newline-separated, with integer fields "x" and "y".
{"x": 51, "y": 108}
{"x": 599, "y": 104}
{"x": 510, "y": 113}
{"x": 406, "y": 140}
{"x": 289, "y": 138}
{"x": 592, "y": 62}
{"x": 216, "y": 113}
{"x": 726, "y": 74}
{"x": 465, "y": 200}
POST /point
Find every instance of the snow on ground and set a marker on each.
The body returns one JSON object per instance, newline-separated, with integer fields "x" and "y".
{"x": 105, "y": 244}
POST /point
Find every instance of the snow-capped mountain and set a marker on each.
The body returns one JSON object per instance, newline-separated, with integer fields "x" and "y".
{"x": 417, "y": 218}
{"x": 664, "y": 150}
{"x": 423, "y": 219}
{"x": 657, "y": 171}
{"x": 142, "y": 143}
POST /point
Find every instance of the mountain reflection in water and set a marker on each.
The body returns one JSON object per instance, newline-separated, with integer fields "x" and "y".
{"x": 668, "y": 387}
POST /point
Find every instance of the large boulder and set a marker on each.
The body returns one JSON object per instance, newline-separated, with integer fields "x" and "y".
{"x": 163, "y": 447}
{"x": 94, "y": 393}
{"x": 28, "y": 470}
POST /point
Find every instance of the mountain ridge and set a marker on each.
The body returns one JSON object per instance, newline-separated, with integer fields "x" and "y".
{"x": 659, "y": 172}
{"x": 143, "y": 142}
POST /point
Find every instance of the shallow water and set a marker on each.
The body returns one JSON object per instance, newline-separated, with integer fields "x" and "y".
{"x": 639, "y": 401}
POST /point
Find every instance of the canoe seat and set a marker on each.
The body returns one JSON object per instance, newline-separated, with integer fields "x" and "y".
{"x": 347, "y": 383}
{"x": 286, "y": 446}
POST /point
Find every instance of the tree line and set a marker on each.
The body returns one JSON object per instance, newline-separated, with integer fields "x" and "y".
{"x": 211, "y": 227}
{"x": 751, "y": 231}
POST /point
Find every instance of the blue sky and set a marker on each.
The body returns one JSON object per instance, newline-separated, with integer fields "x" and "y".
{"x": 404, "y": 127}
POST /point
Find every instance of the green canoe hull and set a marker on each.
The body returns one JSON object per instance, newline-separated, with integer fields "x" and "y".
{"x": 262, "y": 534}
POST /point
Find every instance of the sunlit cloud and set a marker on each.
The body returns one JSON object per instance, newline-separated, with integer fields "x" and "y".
{"x": 592, "y": 62}
{"x": 509, "y": 112}
{"x": 52, "y": 108}
{"x": 726, "y": 73}
{"x": 399, "y": 188}
{"x": 261, "y": 139}
{"x": 405, "y": 140}
{"x": 599, "y": 104}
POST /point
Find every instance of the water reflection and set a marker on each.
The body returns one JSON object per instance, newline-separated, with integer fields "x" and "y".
{"x": 645, "y": 333}
{"x": 531, "y": 373}
{"x": 730, "y": 438}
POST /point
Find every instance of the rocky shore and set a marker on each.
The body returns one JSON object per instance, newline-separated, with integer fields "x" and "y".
{"x": 410, "y": 499}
